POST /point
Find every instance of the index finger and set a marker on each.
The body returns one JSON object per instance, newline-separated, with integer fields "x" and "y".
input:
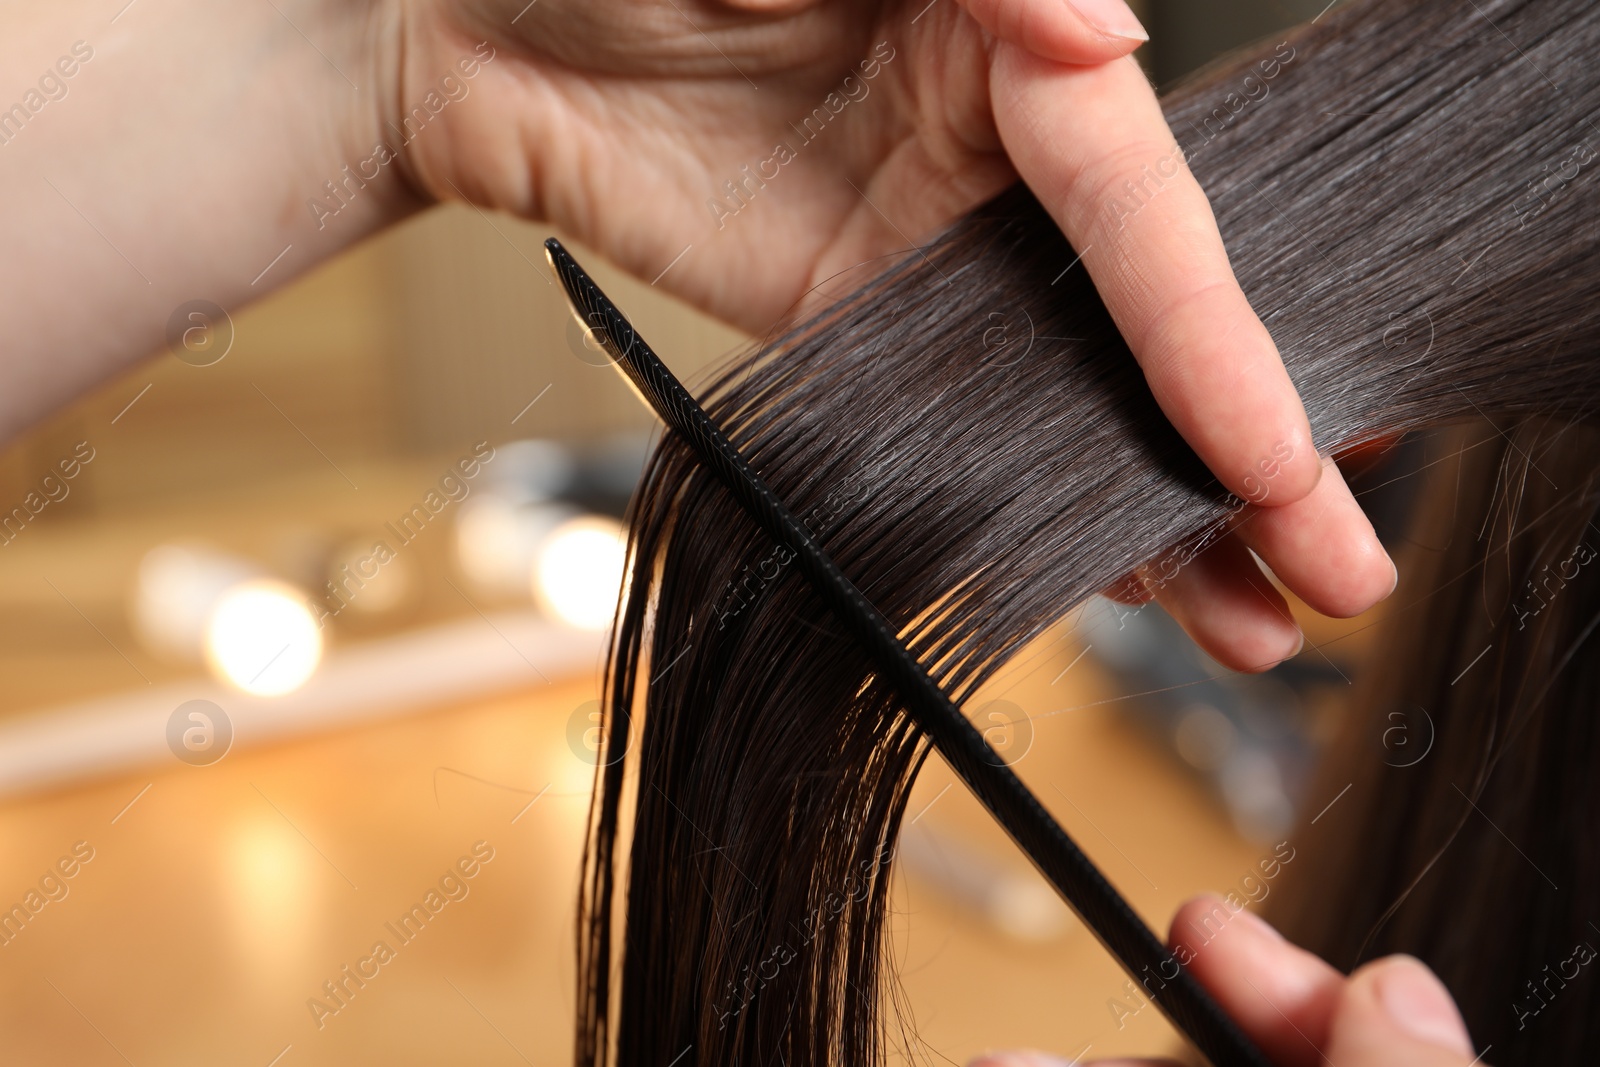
{"x": 1093, "y": 145}
{"x": 1279, "y": 994}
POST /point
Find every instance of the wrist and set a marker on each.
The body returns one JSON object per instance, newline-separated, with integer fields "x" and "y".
{"x": 438, "y": 68}
{"x": 444, "y": 147}
{"x": 178, "y": 165}
{"x": 350, "y": 175}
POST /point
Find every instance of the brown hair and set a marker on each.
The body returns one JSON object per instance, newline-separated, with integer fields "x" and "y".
{"x": 1467, "y": 835}
{"x": 975, "y": 448}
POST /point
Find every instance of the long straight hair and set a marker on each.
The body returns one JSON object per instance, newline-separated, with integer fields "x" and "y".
{"x": 1405, "y": 191}
{"x": 1467, "y": 836}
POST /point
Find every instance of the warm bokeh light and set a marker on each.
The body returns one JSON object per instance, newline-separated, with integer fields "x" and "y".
{"x": 1023, "y": 907}
{"x": 369, "y": 580}
{"x": 579, "y": 570}
{"x": 176, "y": 589}
{"x": 271, "y": 894}
{"x": 498, "y": 541}
{"x": 262, "y": 638}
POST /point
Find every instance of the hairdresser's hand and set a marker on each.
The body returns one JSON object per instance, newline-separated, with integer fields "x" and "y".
{"x": 1092, "y": 143}
{"x": 737, "y": 152}
{"x": 651, "y": 131}
{"x": 631, "y": 124}
{"x": 321, "y": 121}
{"x": 1322, "y": 547}
{"x": 1298, "y": 1010}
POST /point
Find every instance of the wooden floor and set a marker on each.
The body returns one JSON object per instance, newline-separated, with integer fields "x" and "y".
{"x": 219, "y": 900}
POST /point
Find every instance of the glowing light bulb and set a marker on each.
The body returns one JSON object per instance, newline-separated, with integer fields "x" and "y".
{"x": 262, "y": 638}
{"x": 579, "y": 570}
{"x": 498, "y": 541}
{"x": 176, "y": 589}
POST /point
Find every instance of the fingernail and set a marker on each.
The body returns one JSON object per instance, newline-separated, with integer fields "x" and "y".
{"x": 1396, "y": 583}
{"x": 1288, "y": 654}
{"x": 1420, "y": 1005}
{"x": 1299, "y": 645}
{"x": 1111, "y": 17}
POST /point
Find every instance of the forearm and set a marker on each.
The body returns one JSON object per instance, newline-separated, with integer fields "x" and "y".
{"x": 176, "y": 161}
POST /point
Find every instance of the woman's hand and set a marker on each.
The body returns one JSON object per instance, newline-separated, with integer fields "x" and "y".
{"x": 625, "y": 121}
{"x": 1301, "y": 1012}
{"x": 652, "y": 131}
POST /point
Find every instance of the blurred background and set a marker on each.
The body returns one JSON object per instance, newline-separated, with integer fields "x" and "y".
{"x": 308, "y": 610}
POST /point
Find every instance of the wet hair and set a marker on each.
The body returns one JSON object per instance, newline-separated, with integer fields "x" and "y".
{"x": 1405, "y": 190}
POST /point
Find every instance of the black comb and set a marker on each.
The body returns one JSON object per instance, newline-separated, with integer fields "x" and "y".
{"x": 1063, "y": 864}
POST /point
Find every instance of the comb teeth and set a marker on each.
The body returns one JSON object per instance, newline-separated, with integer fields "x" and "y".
{"x": 1013, "y": 806}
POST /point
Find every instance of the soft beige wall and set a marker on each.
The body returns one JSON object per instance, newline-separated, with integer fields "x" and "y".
{"x": 481, "y": 329}
{"x": 436, "y": 333}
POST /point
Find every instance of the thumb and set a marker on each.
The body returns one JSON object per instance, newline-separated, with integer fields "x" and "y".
{"x": 1083, "y": 32}
{"x": 1395, "y": 1011}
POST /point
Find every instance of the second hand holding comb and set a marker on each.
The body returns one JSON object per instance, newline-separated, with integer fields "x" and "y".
{"x": 1063, "y": 864}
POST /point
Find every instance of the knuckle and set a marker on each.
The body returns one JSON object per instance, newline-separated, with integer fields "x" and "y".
{"x": 1088, "y": 187}
{"x": 1175, "y": 327}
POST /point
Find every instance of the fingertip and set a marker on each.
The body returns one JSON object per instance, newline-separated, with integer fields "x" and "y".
{"x": 1361, "y": 573}
{"x": 1076, "y": 32}
{"x": 1268, "y": 660}
{"x": 1397, "y": 1004}
{"x": 1228, "y": 606}
{"x": 1324, "y": 548}
{"x": 1201, "y": 912}
{"x": 1114, "y": 20}
{"x": 1282, "y": 995}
